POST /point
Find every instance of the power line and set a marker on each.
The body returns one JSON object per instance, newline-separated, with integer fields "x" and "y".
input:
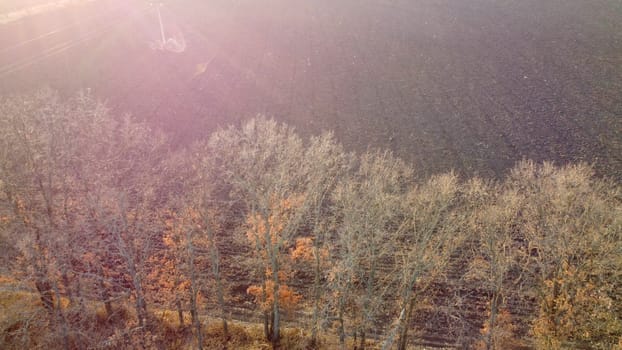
{"x": 52, "y": 51}
{"x": 56, "y": 31}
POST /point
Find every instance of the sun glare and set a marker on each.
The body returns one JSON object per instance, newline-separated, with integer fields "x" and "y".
{"x": 16, "y": 10}
{"x": 310, "y": 174}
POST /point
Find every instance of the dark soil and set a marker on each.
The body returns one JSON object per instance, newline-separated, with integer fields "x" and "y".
{"x": 469, "y": 85}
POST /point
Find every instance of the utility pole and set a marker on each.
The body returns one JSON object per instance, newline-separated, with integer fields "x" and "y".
{"x": 161, "y": 25}
{"x": 157, "y": 5}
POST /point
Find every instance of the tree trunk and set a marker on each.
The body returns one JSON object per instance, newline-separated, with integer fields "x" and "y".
{"x": 193, "y": 293}
{"x": 141, "y": 305}
{"x": 45, "y": 293}
{"x": 107, "y": 302}
{"x": 553, "y": 319}
{"x": 180, "y": 311}
{"x": 223, "y": 311}
{"x": 215, "y": 259}
{"x": 61, "y": 318}
{"x": 271, "y": 326}
{"x": 195, "y": 320}
{"x": 368, "y": 297}
{"x": 67, "y": 285}
{"x": 403, "y": 339}
{"x": 267, "y": 320}
{"x": 195, "y": 315}
{"x": 79, "y": 290}
{"x": 261, "y": 269}
{"x": 342, "y": 305}
{"x": 276, "y": 316}
{"x": 266, "y": 328}
{"x": 494, "y": 301}
{"x": 104, "y": 293}
{"x": 178, "y": 304}
{"x": 139, "y": 311}
{"x": 342, "y": 331}
{"x": 316, "y": 297}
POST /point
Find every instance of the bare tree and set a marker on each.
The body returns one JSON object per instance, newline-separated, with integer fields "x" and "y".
{"x": 40, "y": 151}
{"x": 428, "y": 236}
{"x": 371, "y": 217}
{"x": 261, "y": 163}
{"x": 326, "y": 164}
{"x": 573, "y": 227}
{"x": 185, "y": 243}
{"x": 125, "y": 203}
{"x": 205, "y": 193}
{"x": 498, "y": 258}
{"x": 62, "y": 162}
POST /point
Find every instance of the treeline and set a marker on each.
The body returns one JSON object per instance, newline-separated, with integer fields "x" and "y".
{"x": 101, "y": 210}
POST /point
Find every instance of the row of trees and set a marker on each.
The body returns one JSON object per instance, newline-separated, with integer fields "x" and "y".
{"x": 97, "y": 209}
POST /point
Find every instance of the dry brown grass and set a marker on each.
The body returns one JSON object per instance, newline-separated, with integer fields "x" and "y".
{"x": 25, "y": 324}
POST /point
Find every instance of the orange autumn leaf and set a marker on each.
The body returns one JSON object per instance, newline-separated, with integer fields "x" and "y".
{"x": 288, "y": 299}
{"x": 303, "y": 249}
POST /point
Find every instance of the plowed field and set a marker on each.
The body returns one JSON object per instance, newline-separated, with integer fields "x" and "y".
{"x": 471, "y": 85}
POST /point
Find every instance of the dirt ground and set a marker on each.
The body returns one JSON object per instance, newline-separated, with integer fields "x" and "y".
{"x": 470, "y": 85}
